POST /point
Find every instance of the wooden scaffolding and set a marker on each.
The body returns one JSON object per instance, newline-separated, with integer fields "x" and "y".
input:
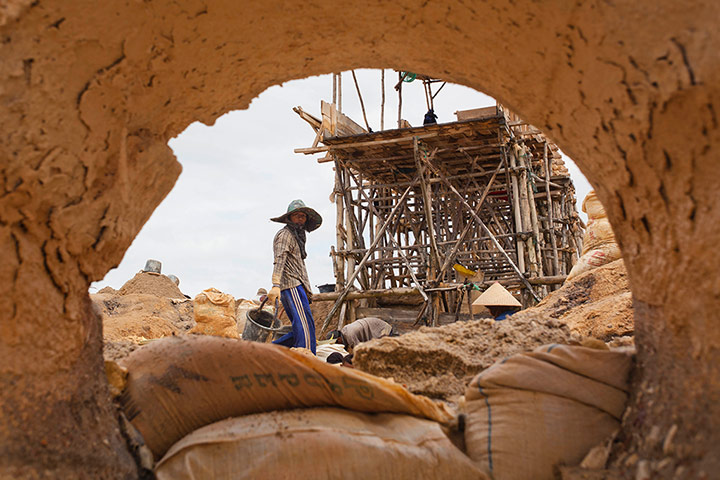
{"x": 488, "y": 192}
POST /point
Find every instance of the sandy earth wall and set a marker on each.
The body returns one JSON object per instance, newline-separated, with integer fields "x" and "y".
{"x": 91, "y": 92}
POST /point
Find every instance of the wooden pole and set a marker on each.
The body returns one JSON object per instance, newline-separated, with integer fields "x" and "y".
{"x": 339, "y": 104}
{"x": 334, "y": 89}
{"x": 525, "y": 210}
{"x": 362, "y": 104}
{"x": 354, "y": 275}
{"x": 427, "y": 207}
{"x": 399, "y": 90}
{"x": 339, "y": 230}
{"x": 551, "y": 221}
{"x": 536, "y": 240}
{"x": 382, "y": 102}
{"x": 516, "y": 209}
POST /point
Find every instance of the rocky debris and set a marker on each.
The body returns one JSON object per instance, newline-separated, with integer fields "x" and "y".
{"x": 439, "y": 362}
{"x": 151, "y": 284}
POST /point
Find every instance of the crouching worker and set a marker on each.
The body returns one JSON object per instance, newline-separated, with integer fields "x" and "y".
{"x": 362, "y": 330}
{"x": 290, "y": 278}
{"x": 499, "y": 301}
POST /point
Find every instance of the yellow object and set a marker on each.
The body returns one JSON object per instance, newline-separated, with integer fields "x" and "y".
{"x": 464, "y": 271}
{"x": 116, "y": 376}
{"x": 273, "y": 294}
{"x": 214, "y": 313}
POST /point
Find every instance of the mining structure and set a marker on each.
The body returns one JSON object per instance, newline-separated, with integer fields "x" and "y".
{"x": 429, "y": 212}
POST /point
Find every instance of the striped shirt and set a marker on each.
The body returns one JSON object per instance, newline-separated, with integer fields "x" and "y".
{"x": 289, "y": 265}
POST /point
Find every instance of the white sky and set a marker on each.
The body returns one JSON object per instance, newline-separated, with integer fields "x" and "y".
{"x": 213, "y": 228}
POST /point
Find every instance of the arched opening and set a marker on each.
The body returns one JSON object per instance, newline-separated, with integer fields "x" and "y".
{"x": 93, "y": 95}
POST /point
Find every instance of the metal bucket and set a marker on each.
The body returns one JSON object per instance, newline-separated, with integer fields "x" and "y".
{"x": 260, "y": 325}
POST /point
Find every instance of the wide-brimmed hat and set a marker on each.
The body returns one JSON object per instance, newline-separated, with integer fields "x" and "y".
{"x": 314, "y": 220}
{"x": 497, "y": 296}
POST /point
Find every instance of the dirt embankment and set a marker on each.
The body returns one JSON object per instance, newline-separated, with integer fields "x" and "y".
{"x": 439, "y": 362}
{"x": 148, "y": 306}
{"x": 596, "y": 304}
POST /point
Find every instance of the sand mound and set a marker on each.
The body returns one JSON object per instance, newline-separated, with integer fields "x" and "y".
{"x": 596, "y": 304}
{"x": 439, "y": 362}
{"x": 151, "y": 284}
{"x": 133, "y": 319}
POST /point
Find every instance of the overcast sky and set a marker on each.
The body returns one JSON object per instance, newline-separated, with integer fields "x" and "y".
{"x": 214, "y": 229}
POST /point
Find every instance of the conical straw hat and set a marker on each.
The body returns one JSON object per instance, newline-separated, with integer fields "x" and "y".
{"x": 498, "y": 296}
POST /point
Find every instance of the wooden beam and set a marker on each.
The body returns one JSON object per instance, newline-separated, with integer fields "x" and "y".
{"x": 427, "y": 207}
{"x": 380, "y": 293}
{"x": 344, "y": 146}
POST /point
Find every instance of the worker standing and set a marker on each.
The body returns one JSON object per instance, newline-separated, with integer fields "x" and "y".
{"x": 290, "y": 279}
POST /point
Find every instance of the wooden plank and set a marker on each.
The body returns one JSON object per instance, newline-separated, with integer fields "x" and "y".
{"x": 344, "y": 146}
{"x": 337, "y": 123}
{"x": 476, "y": 113}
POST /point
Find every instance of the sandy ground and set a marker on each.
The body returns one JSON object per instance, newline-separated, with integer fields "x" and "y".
{"x": 439, "y": 362}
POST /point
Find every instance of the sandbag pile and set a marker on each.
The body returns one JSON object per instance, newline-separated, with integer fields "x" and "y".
{"x": 177, "y": 385}
{"x": 317, "y": 443}
{"x": 215, "y": 314}
{"x": 599, "y": 244}
{"x": 535, "y": 410}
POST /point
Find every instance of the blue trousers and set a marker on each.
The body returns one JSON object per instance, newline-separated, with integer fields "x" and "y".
{"x": 295, "y": 303}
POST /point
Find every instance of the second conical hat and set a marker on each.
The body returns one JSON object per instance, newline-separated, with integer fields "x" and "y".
{"x": 498, "y": 296}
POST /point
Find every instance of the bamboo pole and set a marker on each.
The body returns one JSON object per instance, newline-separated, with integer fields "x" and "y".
{"x": 551, "y": 221}
{"x": 525, "y": 211}
{"x": 339, "y": 237}
{"x": 341, "y": 317}
{"x": 334, "y": 89}
{"x": 399, "y": 90}
{"x": 427, "y": 207}
{"x": 516, "y": 209}
{"x": 382, "y": 102}
{"x": 339, "y": 104}
{"x": 362, "y": 104}
{"x": 354, "y": 275}
{"x": 537, "y": 240}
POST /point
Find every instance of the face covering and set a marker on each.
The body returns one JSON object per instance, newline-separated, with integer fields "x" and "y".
{"x": 298, "y": 232}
